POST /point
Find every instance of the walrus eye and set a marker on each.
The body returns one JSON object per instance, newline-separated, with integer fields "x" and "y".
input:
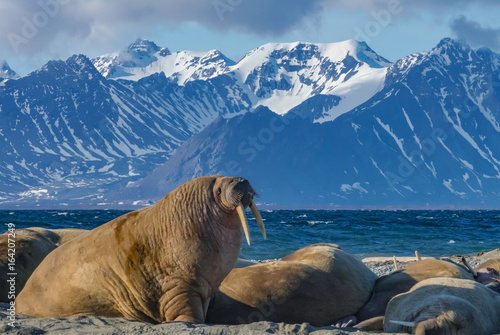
{"x": 218, "y": 191}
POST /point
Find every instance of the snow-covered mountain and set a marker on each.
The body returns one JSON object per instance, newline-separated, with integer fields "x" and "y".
{"x": 283, "y": 76}
{"x": 69, "y": 134}
{"x": 144, "y": 58}
{"x": 429, "y": 137}
{"x": 280, "y": 76}
{"x": 314, "y": 125}
{"x": 6, "y": 72}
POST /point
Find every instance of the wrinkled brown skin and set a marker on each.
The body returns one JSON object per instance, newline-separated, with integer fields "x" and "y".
{"x": 491, "y": 263}
{"x": 445, "y": 306}
{"x": 388, "y": 286}
{"x": 319, "y": 284}
{"x": 32, "y": 245}
{"x": 158, "y": 264}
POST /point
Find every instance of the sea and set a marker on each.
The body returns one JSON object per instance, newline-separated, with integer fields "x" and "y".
{"x": 364, "y": 233}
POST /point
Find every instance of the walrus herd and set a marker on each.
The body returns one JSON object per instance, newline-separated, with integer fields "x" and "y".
{"x": 178, "y": 261}
{"x": 320, "y": 284}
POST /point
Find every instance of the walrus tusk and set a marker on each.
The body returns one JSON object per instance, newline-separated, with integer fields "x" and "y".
{"x": 244, "y": 222}
{"x": 403, "y": 323}
{"x": 395, "y": 262}
{"x": 471, "y": 269}
{"x": 258, "y": 218}
{"x": 417, "y": 255}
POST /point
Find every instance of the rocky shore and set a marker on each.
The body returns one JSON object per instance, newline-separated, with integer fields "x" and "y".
{"x": 100, "y": 325}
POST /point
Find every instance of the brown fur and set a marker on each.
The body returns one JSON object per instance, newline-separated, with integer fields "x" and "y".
{"x": 319, "y": 284}
{"x": 445, "y": 306}
{"x": 403, "y": 280}
{"x": 491, "y": 263}
{"x": 32, "y": 245}
{"x": 157, "y": 264}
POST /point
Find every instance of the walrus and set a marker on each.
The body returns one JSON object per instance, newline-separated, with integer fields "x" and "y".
{"x": 388, "y": 286}
{"x": 58, "y": 236}
{"x": 158, "y": 264}
{"x": 490, "y": 263}
{"x": 488, "y": 274}
{"x": 319, "y": 284}
{"x": 445, "y": 306}
{"x": 29, "y": 246}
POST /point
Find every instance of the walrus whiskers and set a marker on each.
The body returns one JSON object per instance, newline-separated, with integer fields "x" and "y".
{"x": 258, "y": 218}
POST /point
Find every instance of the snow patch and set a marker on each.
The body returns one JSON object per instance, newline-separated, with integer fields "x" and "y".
{"x": 346, "y": 188}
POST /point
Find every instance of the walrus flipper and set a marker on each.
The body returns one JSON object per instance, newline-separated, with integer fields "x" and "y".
{"x": 186, "y": 307}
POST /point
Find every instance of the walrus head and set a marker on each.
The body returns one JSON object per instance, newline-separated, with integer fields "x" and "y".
{"x": 489, "y": 277}
{"x": 236, "y": 193}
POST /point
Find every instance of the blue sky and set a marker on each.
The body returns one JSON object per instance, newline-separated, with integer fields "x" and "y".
{"x": 35, "y": 31}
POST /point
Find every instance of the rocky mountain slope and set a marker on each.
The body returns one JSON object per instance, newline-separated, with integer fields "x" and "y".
{"x": 312, "y": 125}
{"x": 429, "y": 138}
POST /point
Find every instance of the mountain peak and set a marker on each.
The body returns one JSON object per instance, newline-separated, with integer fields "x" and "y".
{"x": 82, "y": 66}
{"x": 6, "y": 72}
{"x": 448, "y": 52}
{"x": 76, "y": 65}
{"x": 284, "y": 75}
{"x": 335, "y": 52}
{"x": 448, "y": 42}
{"x": 144, "y": 58}
{"x": 144, "y": 45}
{"x": 452, "y": 47}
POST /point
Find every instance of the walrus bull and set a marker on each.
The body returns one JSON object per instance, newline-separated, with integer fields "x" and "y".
{"x": 388, "y": 286}
{"x": 158, "y": 264}
{"x": 445, "y": 306}
{"x": 319, "y": 284}
{"x": 28, "y": 247}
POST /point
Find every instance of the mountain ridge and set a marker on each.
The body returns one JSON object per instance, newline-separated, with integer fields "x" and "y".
{"x": 424, "y": 140}
{"x": 6, "y": 72}
{"x": 369, "y": 133}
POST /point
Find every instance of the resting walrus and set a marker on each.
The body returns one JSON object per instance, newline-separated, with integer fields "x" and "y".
{"x": 490, "y": 263}
{"x": 158, "y": 264}
{"x": 401, "y": 281}
{"x": 29, "y": 247}
{"x": 445, "y": 306}
{"x": 319, "y": 284}
{"x": 488, "y": 274}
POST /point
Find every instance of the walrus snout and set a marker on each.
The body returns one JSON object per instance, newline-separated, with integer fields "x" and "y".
{"x": 238, "y": 194}
{"x": 489, "y": 277}
{"x": 239, "y": 191}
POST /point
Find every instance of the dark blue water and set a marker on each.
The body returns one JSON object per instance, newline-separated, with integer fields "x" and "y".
{"x": 363, "y": 233}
